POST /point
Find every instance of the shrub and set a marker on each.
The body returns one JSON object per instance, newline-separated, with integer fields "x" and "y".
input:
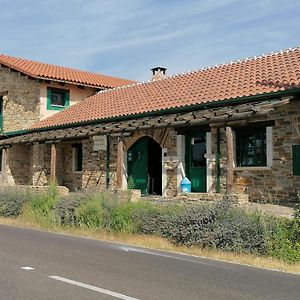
{"x": 284, "y": 241}
{"x": 89, "y": 213}
{"x": 65, "y": 209}
{"x": 237, "y": 230}
{"x": 219, "y": 226}
{"x": 11, "y": 201}
{"x": 40, "y": 207}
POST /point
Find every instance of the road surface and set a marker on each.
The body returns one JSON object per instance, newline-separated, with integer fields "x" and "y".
{"x": 41, "y": 265}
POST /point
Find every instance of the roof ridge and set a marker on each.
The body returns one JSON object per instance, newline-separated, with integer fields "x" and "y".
{"x": 201, "y": 69}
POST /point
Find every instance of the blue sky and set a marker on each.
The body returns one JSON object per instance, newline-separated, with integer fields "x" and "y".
{"x": 127, "y": 38}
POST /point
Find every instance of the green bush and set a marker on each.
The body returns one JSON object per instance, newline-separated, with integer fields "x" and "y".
{"x": 239, "y": 231}
{"x": 284, "y": 240}
{"x": 11, "y": 201}
{"x": 218, "y": 226}
{"x": 123, "y": 216}
{"x": 65, "y": 209}
{"x": 89, "y": 213}
{"x": 40, "y": 207}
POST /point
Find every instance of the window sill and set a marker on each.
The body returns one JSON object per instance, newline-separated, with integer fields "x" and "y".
{"x": 77, "y": 172}
{"x": 56, "y": 107}
{"x": 263, "y": 168}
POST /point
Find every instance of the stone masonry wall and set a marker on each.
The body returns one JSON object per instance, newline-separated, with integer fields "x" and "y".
{"x": 18, "y": 168}
{"x": 21, "y": 106}
{"x": 269, "y": 184}
{"x": 93, "y": 174}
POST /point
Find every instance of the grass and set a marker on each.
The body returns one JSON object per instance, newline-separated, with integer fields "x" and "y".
{"x": 155, "y": 242}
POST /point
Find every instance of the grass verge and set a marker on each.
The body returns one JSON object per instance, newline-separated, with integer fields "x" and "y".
{"x": 155, "y": 242}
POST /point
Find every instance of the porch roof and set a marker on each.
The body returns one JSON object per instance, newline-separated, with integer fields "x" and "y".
{"x": 218, "y": 117}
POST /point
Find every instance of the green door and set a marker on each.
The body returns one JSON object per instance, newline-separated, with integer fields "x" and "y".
{"x": 137, "y": 164}
{"x": 196, "y": 160}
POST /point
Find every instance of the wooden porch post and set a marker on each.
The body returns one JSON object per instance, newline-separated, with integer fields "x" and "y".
{"x": 120, "y": 163}
{"x": 229, "y": 174}
{"x": 53, "y": 163}
{"x": 3, "y": 165}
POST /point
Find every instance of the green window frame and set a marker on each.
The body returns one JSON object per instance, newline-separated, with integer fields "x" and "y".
{"x": 77, "y": 157}
{"x": 296, "y": 159}
{"x": 251, "y": 147}
{"x": 57, "y": 99}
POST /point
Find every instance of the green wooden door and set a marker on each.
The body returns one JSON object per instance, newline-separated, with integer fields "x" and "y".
{"x": 196, "y": 161}
{"x": 137, "y": 164}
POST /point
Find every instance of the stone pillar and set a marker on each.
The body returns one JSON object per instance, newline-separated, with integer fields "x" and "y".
{"x": 230, "y": 160}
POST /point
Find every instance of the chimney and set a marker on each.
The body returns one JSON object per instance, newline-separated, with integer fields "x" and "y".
{"x": 158, "y": 72}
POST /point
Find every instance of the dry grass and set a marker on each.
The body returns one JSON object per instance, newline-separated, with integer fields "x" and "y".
{"x": 155, "y": 242}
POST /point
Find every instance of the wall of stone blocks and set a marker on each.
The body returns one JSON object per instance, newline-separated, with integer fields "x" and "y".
{"x": 275, "y": 184}
{"x": 21, "y": 104}
{"x": 18, "y": 166}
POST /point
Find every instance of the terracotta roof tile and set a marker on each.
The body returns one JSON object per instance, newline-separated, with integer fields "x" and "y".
{"x": 46, "y": 71}
{"x": 259, "y": 75}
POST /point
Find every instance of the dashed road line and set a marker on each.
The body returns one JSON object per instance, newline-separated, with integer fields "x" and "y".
{"x": 27, "y": 268}
{"x": 93, "y": 288}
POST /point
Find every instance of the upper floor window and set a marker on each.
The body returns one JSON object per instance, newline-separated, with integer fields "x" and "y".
{"x": 57, "y": 99}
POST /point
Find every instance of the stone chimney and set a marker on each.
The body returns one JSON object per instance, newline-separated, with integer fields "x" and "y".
{"x": 158, "y": 72}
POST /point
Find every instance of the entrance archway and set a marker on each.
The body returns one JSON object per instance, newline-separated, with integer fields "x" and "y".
{"x": 145, "y": 167}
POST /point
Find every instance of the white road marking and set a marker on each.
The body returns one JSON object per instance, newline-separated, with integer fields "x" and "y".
{"x": 93, "y": 288}
{"x": 27, "y": 268}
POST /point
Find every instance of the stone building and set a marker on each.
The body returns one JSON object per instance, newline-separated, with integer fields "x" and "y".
{"x": 31, "y": 91}
{"x": 231, "y": 128}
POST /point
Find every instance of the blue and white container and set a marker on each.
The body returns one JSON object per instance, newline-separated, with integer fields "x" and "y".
{"x": 185, "y": 185}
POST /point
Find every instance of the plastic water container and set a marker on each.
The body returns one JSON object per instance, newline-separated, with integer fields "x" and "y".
{"x": 185, "y": 185}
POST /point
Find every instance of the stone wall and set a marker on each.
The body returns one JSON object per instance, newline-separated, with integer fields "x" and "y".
{"x": 18, "y": 167}
{"x": 21, "y": 104}
{"x": 274, "y": 183}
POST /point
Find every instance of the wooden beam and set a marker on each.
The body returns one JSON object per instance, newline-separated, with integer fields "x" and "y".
{"x": 3, "y": 165}
{"x": 120, "y": 163}
{"x": 229, "y": 148}
{"x": 53, "y": 164}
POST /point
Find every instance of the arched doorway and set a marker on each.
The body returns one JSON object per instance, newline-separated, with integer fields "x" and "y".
{"x": 145, "y": 167}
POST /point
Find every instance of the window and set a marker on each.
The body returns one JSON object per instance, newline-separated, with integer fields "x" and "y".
{"x": 198, "y": 152}
{"x": 77, "y": 157}
{"x": 251, "y": 147}
{"x": 296, "y": 160}
{"x": 57, "y": 99}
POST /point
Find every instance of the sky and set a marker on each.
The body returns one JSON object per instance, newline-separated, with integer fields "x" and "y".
{"x": 126, "y": 38}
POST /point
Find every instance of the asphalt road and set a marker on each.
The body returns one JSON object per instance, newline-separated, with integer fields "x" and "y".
{"x": 66, "y": 267}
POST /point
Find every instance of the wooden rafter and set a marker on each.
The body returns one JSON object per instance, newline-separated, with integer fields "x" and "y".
{"x": 219, "y": 117}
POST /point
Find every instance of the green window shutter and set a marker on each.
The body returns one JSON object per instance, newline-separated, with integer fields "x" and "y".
{"x": 67, "y": 99}
{"x": 296, "y": 160}
{"x": 49, "y": 93}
